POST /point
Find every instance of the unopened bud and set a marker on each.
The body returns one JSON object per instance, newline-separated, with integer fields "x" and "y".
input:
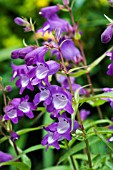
{"x": 65, "y": 2}
{"x": 107, "y": 34}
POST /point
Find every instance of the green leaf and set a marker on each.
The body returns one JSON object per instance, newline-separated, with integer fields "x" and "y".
{"x": 109, "y": 165}
{"x": 25, "y": 158}
{"x": 31, "y": 149}
{"x": 110, "y": 146}
{"x": 91, "y": 66}
{"x": 18, "y": 165}
{"x": 49, "y": 153}
{"x": 58, "y": 168}
{"x": 88, "y": 124}
{"x": 97, "y": 102}
{"x": 97, "y": 97}
{"x": 101, "y": 130}
{"x": 75, "y": 149}
{"x": 23, "y": 131}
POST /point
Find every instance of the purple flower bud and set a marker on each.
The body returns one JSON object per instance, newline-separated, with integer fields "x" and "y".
{"x": 21, "y": 52}
{"x": 23, "y": 22}
{"x": 48, "y": 12}
{"x": 20, "y": 21}
{"x": 8, "y": 88}
{"x": 107, "y": 34}
{"x": 65, "y": 2}
{"x": 14, "y": 136}
{"x": 4, "y": 157}
{"x": 84, "y": 113}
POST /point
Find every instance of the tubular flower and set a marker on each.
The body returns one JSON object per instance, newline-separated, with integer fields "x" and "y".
{"x": 4, "y": 157}
{"x": 42, "y": 70}
{"x": 21, "y": 52}
{"x": 61, "y": 100}
{"x": 53, "y": 21}
{"x": 58, "y": 131}
{"x": 17, "y": 108}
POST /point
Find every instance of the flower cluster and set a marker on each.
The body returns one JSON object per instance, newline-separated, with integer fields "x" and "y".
{"x": 36, "y": 72}
{"x": 106, "y": 36}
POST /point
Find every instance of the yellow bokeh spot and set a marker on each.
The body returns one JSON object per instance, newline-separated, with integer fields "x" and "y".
{"x": 103, "y": 2}
{"x": 46, "y": 36}
{"x": 42, "y": 3}
{"x": 12, "y": 41}
{"x": 77, "y": 36}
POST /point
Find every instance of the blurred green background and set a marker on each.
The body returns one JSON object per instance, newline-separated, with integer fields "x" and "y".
{"x": 92, "y": 22}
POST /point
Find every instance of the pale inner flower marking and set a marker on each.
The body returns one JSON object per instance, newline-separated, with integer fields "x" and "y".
{"x": 44, "y": 94}
{"x": 24, "y": 81}
{"x": 63, "y": 125}
{"x": 59, "y": 101}
{"x": 12, "y": 113}
{"x": 24, "y": 107}
{"x": 41, "y": 71}
{"x": 50, "y": 139}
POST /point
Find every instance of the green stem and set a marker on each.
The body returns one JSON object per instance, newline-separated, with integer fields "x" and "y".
{"x": 89, "y": 78}
{"x": 66, "y": 72}
{"x": 71, "y": 157}
{"x": 86, "y": 141}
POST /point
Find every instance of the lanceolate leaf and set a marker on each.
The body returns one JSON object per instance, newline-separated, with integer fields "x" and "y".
{"x": 91, "y": 66}
{"x": 58, "y": 168}
{"x": 18, "y": 165}
{"x": 110, "y": 146}
{"x": 98, "y": 96}
{"x": 76, "y": 149}
{"x": 23, "y": 131}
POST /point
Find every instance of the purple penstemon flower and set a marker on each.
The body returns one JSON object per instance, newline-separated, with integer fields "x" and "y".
{"x": 17, "y": 70}
{"x": 24, "y": 80}
{"x": 55, "y": 99}
{"x": 70, "y": 52}
{"x": 4, "y": 157}
{"x": 16, "y": 109}
{"x": 61, "y": 100}
{"x": 53, "y": 21}
{"x": 44, "y": 95}
{"x": 58, "y": 131}
{"x": 37, "y": 55}
{"x": 21, "y": 52}
{"x": 42, "y": 70}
